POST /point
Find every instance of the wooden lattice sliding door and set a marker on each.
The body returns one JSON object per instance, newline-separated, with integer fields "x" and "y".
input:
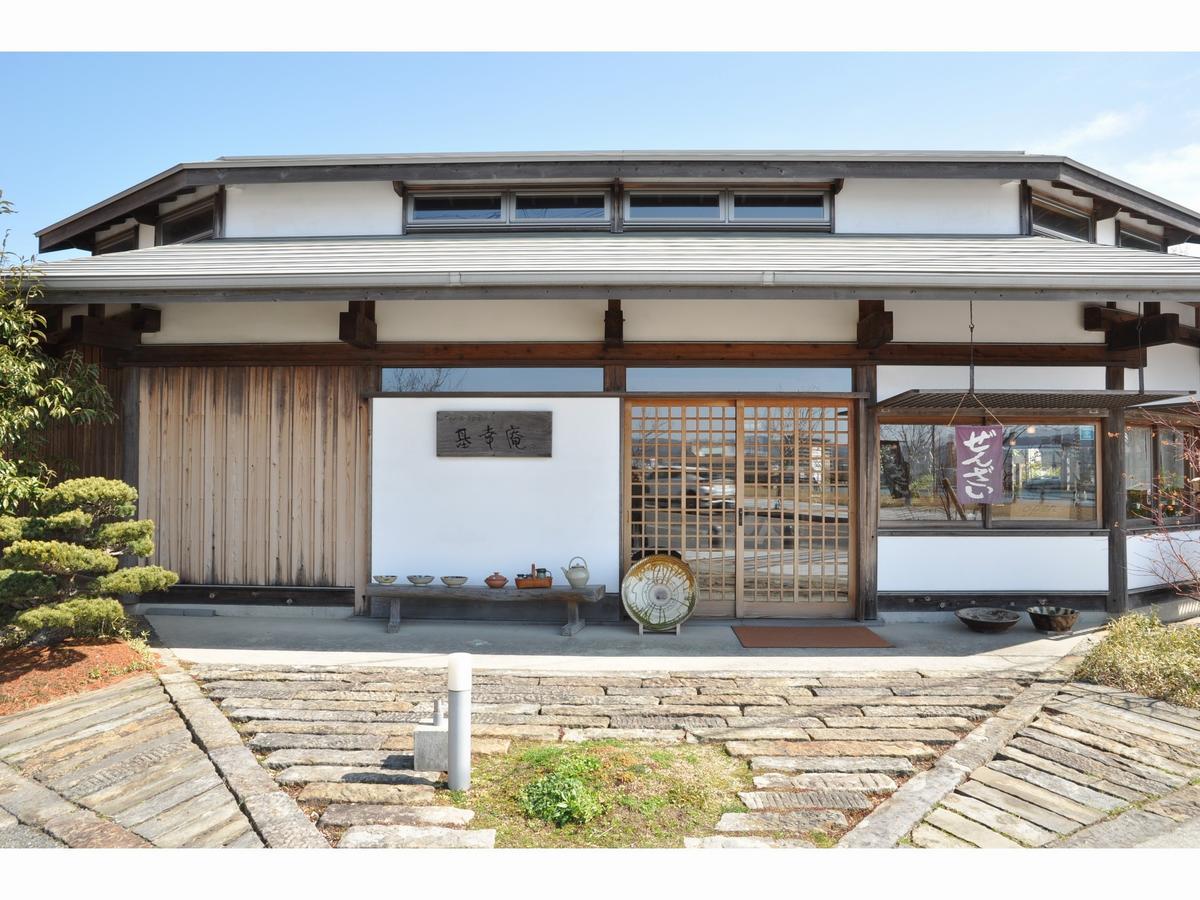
{"x": 756, "y": 496}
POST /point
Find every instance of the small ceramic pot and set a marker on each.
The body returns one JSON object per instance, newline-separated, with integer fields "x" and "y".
{"x": 495, "y": 580}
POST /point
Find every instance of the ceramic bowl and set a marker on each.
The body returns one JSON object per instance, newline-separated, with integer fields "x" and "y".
{"x": 420, "y": 579}
{"x": 454, "y": 580}
{"x": 988, "y": 619}
{"x": 1053, "y": 619}
{"x": 384, "y": 579}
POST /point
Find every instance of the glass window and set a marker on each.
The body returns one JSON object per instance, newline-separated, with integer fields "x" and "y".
{"x": 681, "y": 207}
{"x": 1049, "y": 473}
{"x": 118, "y": 243}
{"x": 193, "y": 224}
{"x": 741, "y": 380}
{"x": 538, "y": 207}
{"x": 434, "y": 208}
{"x": 779, "y": 208}
{"x": 1058, "y": 221}
{"x": 1172, "y": 472}
{"x": 491, "y": 379}
{"x": 917, "y": 476}
{"x": 1139, "y": 473}
{"x": 1139, "y": 242}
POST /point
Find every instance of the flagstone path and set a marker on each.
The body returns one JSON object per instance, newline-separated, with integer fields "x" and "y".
{"x": 115, "y": 767}
{"x": 824, "y": 749}
{"x": 1097, "y": 768}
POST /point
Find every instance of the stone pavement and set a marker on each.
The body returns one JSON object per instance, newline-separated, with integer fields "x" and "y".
{"x": 115, "y": 767}
{"x": 1097, "y": 768}
{"x": 824, "y": 749}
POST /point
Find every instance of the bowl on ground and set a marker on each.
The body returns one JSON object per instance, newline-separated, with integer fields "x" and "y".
{"x": 988, "y": 619}
{"x": 1053, "y": 619}
{"x": 419, "y": 579}
{"x": 384, "y": 579}
{"x": 454, "y": 580}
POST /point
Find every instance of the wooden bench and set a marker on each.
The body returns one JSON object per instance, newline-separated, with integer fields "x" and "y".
{"x": 571, "y": 597}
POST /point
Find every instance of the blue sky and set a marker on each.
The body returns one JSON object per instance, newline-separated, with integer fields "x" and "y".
{"x": 84, "y": 126}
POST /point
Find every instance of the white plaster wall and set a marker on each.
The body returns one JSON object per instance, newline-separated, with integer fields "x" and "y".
{"x": 1170, "y": 367}
{"x": 996, "y": 322}
{"x": 1158, "y": 558}
{"x": 247, "y": 323}
{"x": 476, "y": 516}
{"x": 927, "y": 206}
{"x": 993, "y": 562}
{"x": 491, "y": 320}
{"x": 740, "y": 320}
{"x": 313, "y": 209}
{"x": 897, "y": 379}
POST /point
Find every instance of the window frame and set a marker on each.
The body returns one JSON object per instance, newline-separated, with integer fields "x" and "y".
{"x": 630, "y": 220}
{"x": 105, "y": 245}
{"x": 1142, "y": 523}
{"x": 987, "y": 523}
{"x": 1037, "y": 200}
{"x": 533, "y": 223}
{"x": 826, "y": 207}
{"x": 410, "y": 203}
{"x": 183, "y": 212}
{"x": 508, "y": 209}
{"x": 726, "y": 207}
{"x": 1160, "y": 244}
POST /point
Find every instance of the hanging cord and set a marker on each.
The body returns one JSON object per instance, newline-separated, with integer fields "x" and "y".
{"x": 971, "y": 371}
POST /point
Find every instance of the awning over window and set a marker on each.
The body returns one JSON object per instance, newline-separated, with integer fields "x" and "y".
{"x": 1024, "y": 401}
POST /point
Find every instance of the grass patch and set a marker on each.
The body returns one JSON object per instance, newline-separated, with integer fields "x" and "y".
{"x": 1142, "y": 655}
{"x": 602, "y": 793}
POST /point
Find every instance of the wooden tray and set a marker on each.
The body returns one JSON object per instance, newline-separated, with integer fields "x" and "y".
{"x": 530, "y": 581}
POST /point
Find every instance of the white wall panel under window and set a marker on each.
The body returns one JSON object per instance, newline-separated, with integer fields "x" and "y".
{"x": 247, "y": 323}
{"x": 993, "y": 562}
{"x": 1154, "y": 559}
{"x": 491, "y": 320}
{"x": 996, "y": 322}
{"x": 740, "y": 320}
{"x": 441, "y": 516}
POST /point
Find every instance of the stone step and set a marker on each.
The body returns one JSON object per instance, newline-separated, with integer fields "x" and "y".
{"x": 667, "y": 721}
{"x": 273, "y": 740}
{"x": 657, "y": 735}
{"x": 231, "y": 705}
{"x": 896, "y": 765}
{"x": 70, "y": 706}
{"x": 248, "y": 840}
{"x": 738, "y": 843}
{"x": 957, "y": 723}
{"x": 816, "y": 799}
{"x": 1061, "y": 786}
{"x": 1158, "y": 709}
{"x": 282, "y": 759}
{"x": 998, "y": 820}
{"x": 1131, "y": 722}
{"x": 163, "y": 801}
{"x": 1119, "y": 731}
{"x": 930, "y": 838}
{"x": 1110, "y": 761}
{"x": 1037, "y": 795}
{"x": 26, "y": 837}
{"x": 338, "y": 792}
{"x": 416, "y": 837}
{"x": 972, "y": 713}
{"x": 755, "y": 733}
{"x": 355, "y": 775}
{"x": 350, "y": 814}
{"x": 969, "y": 831}
{"x": 1061, "y": 726}
{"x": 1126, "y": 830}
{"x": 234, "y": 826}
{"x": 1071, "y": 774}
{"x": 928, "y": 735}
{"x": 1112, "y": 772}
{"x": 800, "y": 822}
{"x": 909, "y": 749}
{"x": 145, "y": 705}
{"x": 1030, "y": 812}
{"x": 869, "y": 782}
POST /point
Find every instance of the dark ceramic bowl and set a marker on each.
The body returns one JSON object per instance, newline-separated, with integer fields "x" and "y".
{"x": 988, "y": 619}
{"x": 1053, "y": 619}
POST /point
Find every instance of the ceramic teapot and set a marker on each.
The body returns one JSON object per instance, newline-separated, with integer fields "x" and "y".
{"x": 576, "y": 575}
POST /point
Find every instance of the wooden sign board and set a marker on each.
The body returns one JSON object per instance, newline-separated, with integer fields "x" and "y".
{"x": 498, "y": 433}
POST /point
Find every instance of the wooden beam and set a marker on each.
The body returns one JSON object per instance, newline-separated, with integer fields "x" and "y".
{"x": 874, "y": 324}
{"x": 356, "y": 326}
{"x": 866, "y": 443}
{"x": 632, "y": 353}
{"x": 1112, "y": 493}
{"x": 1102, "y": 318}
{"x": 142, "y": 319}
{"x": 1147, "y": 331}
{"x": 614, "y": 325}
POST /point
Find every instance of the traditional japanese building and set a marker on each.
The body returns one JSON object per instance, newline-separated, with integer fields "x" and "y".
{"x": 329, "y": 367}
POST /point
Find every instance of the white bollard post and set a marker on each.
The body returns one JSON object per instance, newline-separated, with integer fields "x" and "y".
{"x": 459, "y": 763}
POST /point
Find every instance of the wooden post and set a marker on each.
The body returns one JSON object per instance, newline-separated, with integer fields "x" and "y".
{"x": 866, "y": 444}
{"x": 614, "y": 325}
{"x": 874, "y": 324}
{"x": 356, "y": 326}
{"x": 614, "y": 379}
{"x": 1112, "y": 463}
{"x": 130, "y": 425}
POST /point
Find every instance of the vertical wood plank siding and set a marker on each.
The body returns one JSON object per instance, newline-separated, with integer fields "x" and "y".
{"x": 76, "y": 451}
{"x": 250, "y": 472}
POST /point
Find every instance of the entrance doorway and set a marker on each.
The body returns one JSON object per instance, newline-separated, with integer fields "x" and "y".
{"x": 755, "y": 494}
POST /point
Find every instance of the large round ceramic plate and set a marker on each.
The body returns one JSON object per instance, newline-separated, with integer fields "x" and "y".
{"x": 659, "y": 592}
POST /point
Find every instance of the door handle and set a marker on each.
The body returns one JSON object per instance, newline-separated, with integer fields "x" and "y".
{"x": 741, "y": 520}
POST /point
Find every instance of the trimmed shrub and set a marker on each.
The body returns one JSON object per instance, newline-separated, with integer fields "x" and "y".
{"x": 83, "y": 617}
{"x": 136, "y": 580}
{"x": 58, "y": 558}
{"x": 104, "y": 498}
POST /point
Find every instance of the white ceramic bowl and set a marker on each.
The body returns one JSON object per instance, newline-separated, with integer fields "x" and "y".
{"x": 454, "y": 580}
{"x": 420, "y": 579}
{"x": 384, "y": 579}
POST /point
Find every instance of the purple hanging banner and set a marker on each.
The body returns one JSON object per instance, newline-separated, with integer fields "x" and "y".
{"x": 979, "y": 450}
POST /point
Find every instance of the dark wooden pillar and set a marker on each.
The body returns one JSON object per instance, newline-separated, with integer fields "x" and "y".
{"x": 1112, "y": 488}
{"x": 614, "y": 325}
{"x": 356, "y": 326}
{"x": 866, "y": 492}
{"x": 130, "y": 424}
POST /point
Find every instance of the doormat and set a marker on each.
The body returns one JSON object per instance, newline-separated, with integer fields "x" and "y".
{"x": 780, "y": 637}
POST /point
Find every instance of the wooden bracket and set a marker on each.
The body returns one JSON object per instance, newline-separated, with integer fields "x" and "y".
{"x": 120, "y": 332}
{"x": 1128, "y": 331}
{"x": 874, "y": 324}
{"x": 356, "y": 327}
{"x": 614, "y": 325}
